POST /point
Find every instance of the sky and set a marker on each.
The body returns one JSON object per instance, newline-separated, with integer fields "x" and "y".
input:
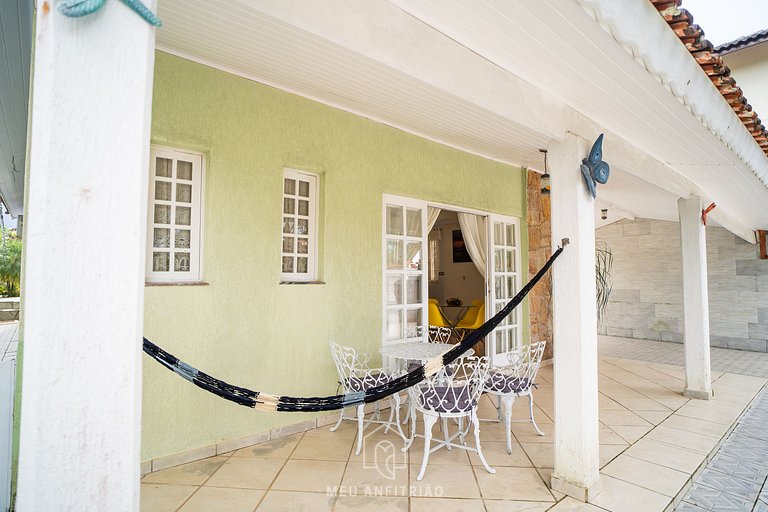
{"x": 726, "y": 20}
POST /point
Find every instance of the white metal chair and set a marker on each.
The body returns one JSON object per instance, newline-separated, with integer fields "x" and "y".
{"x": 355, "y": 375}
{"x": 514, "y": 380}
{"x": 451, "y": 393}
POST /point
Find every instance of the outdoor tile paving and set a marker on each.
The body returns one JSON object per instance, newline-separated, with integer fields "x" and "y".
{"x": 9, "y": 340}
{"x": 652, "y": 439}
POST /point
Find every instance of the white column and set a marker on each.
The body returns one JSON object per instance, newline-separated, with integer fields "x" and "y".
{"x": 693, "y": 238}
{"x": 577, "y": 448}
{"x": 84, "y": 260}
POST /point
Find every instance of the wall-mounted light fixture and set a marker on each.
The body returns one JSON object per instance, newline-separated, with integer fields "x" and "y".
{"x": 545, "y": 179}
{"x": 604, "y": 213}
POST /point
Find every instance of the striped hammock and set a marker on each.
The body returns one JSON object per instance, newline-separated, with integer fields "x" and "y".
{"x": 267, "y": 402}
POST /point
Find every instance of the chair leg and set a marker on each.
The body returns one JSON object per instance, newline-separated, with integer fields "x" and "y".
{"x": 508, "y": 401}
{"x": 461, "y": 431}
{"x": 396, "y": 399}
{"x": 530, "y": 405}
{"x": 445, "y": 433}
{"x": 409, "y": 442}
{"x": 341, "y": 418}
{"x": 498, "y": 406}
{"x": 360, "y": 417}
{"x": 429, "y": 422}
{"x": 476, "y": 424}
{"x": 407, "y": 409}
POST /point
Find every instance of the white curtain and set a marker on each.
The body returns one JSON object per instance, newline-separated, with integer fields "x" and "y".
{"x": 475, "y": 235}
{"x": 432, "y": 215}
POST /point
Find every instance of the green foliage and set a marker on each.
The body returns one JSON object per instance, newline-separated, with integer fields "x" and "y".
{"x": 10, "y": 263}
{"x": 603, "y": 265}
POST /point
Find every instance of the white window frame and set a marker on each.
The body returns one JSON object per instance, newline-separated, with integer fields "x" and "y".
{"x": 196, "y": 222}
{"x": 313, "y": 223}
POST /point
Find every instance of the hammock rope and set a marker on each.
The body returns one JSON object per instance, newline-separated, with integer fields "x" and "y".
{"x": 271, "y": 403}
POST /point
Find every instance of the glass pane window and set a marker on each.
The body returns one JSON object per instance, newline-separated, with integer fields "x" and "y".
{"x": 299, "y": 218}
{"x": 174, "y": 215}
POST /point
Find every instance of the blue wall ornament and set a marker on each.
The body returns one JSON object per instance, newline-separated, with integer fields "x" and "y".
{"x": 594, "y": 169}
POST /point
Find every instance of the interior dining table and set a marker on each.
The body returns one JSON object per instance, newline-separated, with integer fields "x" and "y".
{"x": 454, "y": 313}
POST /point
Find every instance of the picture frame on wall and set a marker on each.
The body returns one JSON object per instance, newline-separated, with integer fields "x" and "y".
{"x": 460, "y": 253}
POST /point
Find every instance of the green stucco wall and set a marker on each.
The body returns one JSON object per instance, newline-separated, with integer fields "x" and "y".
{"x": 244, "y": 326}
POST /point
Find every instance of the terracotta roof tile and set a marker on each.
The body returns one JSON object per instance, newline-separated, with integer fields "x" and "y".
{"x": 708, "y": 57}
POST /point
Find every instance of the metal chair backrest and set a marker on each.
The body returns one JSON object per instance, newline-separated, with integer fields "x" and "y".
{"x": 454, "y": 390}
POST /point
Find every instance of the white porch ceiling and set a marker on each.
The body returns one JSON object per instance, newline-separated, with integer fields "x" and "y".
{"x": 497, "y": 78}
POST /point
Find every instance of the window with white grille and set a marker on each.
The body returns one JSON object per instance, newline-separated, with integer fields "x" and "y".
{"x": 299, "y": 247}
{"x": 174, "y": 215}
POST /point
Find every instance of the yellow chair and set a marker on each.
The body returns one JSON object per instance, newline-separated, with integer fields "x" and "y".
{"x": 469, "y": 318}
{"x": 436, "y": 318}
{"x": 479, "y": 320}
{"x": 433, "y": 301}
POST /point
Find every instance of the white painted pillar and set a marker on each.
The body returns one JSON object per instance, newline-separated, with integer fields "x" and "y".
{"x": 577, "y": 448}
{"x": 693, "y": 238}
{"x": 84, "y": 260}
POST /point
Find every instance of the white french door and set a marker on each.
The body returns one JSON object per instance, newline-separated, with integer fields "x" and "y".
{"x": 404, "y": 242}
{"x": 504, "y": 281}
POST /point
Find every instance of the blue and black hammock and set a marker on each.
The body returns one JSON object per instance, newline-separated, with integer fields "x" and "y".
{"x": 267, "y": 402}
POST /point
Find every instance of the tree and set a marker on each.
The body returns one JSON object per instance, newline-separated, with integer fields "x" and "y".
{"x": 10, "y": 262}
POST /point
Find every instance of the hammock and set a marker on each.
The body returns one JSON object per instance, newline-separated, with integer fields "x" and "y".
{"x": 267, "y": 402}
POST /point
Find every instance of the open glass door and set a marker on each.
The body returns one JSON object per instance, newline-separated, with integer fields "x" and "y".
{"x": 504, "y": 283}
{"x": 404, "y": 269}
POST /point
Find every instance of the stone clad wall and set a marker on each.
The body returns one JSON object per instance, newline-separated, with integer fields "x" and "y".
{"x": 539, "y": 249}
{"x": 647, "y": 296}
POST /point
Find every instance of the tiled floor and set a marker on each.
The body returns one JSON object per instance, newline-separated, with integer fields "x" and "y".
{"x": 9, "y": 340}
{"x": 651, "y": 440}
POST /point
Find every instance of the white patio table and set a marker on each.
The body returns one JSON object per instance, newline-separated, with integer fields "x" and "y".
{"x": 417, "y": 351}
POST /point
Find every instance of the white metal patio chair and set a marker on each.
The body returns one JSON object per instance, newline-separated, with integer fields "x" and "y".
{"x": 514, "y": 380}
{"x": 355, "y": 375}
{"x": 450, "y": 394}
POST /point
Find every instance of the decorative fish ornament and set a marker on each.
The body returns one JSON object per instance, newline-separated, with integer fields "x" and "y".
{"x": 594, "y": 169}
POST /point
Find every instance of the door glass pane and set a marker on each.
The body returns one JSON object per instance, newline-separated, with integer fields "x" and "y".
{"x": 501, "y": 341}
{"x": 181, "y": 262}
{"x": 414, "y": 255}
{"x": 184, "y": 170}
{"x": 512, "y": 338}
{"x": 183, "y": 215}
{"x": 498, "y": 233}
{"x": 302, "y": 245}
{"x": 163, "y": 190}
{"x": 304, "y": 188}
{"x": 302, "y": 226}
{"x": 288, "y": 225}
{"x": 162, "y": 237}
{"x": 183, "y": 193}
{"x": 510, "y": 235}
{"x": 511, "y": 287}
{"x": 413, "y": 222}
{"x": 302, "y": 264}
{"x": 303, "y": 207}
{"x": 394, "y": 220}
{"x": 288, "y": 244}
{"x": 394, "y": 325}
{"x": 289, "y": 186}
{"x": 394, "y": 254}
{"x": 394, "y": 290}
{"x": 162, "y": 214}
{"x": 163, "y": 167}
{"x": 160, "y": 261}
{"x": 414, "y": 289}
{"x": 413, "y": 321}
{"x": 287, "y": 264}
{"x": 499, "y": 286}
{"x": 511, "y": 263}
{"x": 289, "y": 205}
{"x": 498, "y": 260}
{"x": 182, "y": 238}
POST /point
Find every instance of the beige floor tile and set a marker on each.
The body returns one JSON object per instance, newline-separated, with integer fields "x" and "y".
{"x": 517, "y": 506}
{"x": 631, "y": 434}
{"x": 246, "y": 473}
{"x": 618, "y": 495}
{"x": 164, "y": 497}
{"x": 445, "y": 481}
{"x": 609, "y": 436}
{"x": 362, "y": 503}
{"x": 666, "y": 455}
{"x": 542, "y": 455}
{"x": 386, "y": 480}
{"x": 673, "y": 403}
{"x": 192, "y": 473}
{"x": 571, "y": 505}
{"x": 277, "y": 449}
{"x": 347, "y": 428}
{"x": 324, "y": 447}
{"x": 309, "y": 475}
{"x": 708, "y": 428}
{"x": 625, "y": 417}
{"x": 512, "y": 484}
{"x": 219, "y": 499}
{"x": 646, "y": 474}
{"x": 495, "y": 453}
{"x": 642, "y": 404}
{"x": 525, "y": 433}
{"x": 690, "y": 440}
{"x": 456, "y": 456}
{"x": 286, "y": 501}
{"x": 654, "y": 417}
{"x": 609, "y": 451}
{"x": 446, "y": 505}
{"x": 375, "y": 443}
{"x": 701, "y": 413}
